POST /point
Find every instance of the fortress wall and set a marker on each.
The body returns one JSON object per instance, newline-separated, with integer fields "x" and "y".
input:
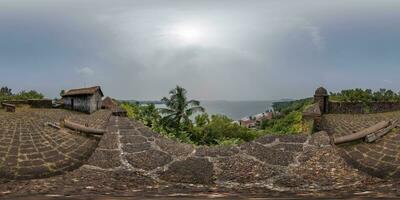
{"x": 361, "y": 108}
{"x": 41, "y": 103}
{"x": 34, "y": 103}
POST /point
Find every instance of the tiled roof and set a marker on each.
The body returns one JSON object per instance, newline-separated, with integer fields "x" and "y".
{"x": 83, "y": 91}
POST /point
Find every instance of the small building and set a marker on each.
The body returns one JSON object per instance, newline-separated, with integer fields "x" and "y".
{"x": 109, "y": 103}
{"x": 86, "y": 100}
{"x": 256, "y": 120}
{"x": 247, "y": 122}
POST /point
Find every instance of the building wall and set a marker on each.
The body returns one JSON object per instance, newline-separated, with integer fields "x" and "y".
{"x": 84, "y": 103}
{"x": 95, "y": 102}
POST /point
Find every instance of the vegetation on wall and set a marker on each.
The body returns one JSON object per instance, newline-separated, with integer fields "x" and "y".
{"x": 365, "y": 96}
{"x": 288, "y": 118}
{"x": 288, "y": 106}
{"x": 6, "y": 94}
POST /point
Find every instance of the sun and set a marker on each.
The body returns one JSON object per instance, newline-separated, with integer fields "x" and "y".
{"x": 188, "y": 33}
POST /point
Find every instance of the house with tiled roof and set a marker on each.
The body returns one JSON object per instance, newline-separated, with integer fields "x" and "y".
{"x": 86, "y": 100}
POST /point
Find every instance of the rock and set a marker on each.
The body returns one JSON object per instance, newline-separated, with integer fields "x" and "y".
{"x": 320, "y": 139}
{"x": 298, "y": 138}
{"x": 148, "y": 160}
{"x": 215, "y": 151}
{"x": 174, "y": 148}
{"x": 105, "y": 159}
{"x": 133, "y": 148}
{"x": 191, "y": 170}
{"x": 243, "y": 170}
{"x": 269, "y": 155}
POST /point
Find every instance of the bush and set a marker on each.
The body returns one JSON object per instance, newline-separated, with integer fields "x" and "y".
{"x": 214, "y": 130}
{"x": 221, "y": 128}
{"x": 287, "y": 124}
{"x": 286, "y": 107}
{"x": 289, "y": 117}
{"x": 6, "y": 94}
{"x": 365, "y": 96}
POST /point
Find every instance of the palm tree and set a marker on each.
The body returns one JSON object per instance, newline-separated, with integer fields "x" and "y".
{"x": 179, "y": 109}
{"x": 148, "y": 114}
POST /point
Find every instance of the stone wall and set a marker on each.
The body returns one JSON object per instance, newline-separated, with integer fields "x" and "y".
{"x": 34, "y": 103}
{"x": 312, "y": 117}
{"x": 41, "y": 103}
{"x": 17, "y": 102}
{"x": 129, "y": 145}
{"x": 361, "y": 108}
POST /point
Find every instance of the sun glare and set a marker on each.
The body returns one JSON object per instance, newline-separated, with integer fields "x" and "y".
{"x": 188, "y": 34}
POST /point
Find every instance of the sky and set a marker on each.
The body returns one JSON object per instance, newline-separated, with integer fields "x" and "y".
{"x": 217, "y": 50}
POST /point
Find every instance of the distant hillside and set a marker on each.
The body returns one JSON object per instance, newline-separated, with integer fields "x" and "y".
{"x": 288, "y": 106}
{"x": 141, "y": 102}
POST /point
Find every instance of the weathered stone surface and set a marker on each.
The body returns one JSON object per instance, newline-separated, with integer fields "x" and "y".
{"x": 267, "y": 139}
{"x": 133, "y": 139}
{"x": 269, "y": 155}
{"x": 300, "y": 138}
{"x": 133, "y": 148}
{"x": 128, "y": 132}
{"x": 215, "y": 151}
{"x": 243, "y": 170}
{"x": 105, "y": 159}
{"x": 30, "y": 149}
{"x": 320, "y": 139}
{"x": 174, "y": 148}
{"x": 191, "y": 170}
{"x": 290, "y": 180}
{"x": 148, "y": 160}
{"x": 381, "y": 158}
{"x": 109, "y": 141}
{"x": 147, "y": 132}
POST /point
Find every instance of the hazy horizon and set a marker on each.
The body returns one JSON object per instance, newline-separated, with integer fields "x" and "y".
{"x": 218, "y": 50}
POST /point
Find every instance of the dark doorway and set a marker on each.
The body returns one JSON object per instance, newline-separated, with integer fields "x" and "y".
{"x": 72, "y": 104}
{"x": 326, "y": 101}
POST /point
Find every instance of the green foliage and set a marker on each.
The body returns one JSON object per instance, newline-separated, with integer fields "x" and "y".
{"x": 147, "y": 114}
{"x": 5, "y": 91}
{"x": 176, "y": 116}
{"x": 365, "y": 96}
{"x": 23, "y": 95}
{"x": 6, "y": 94}
{"x": 289, "y": 106}
{"x": 289, "y": 118}
{"x": 202, "y": 119}
{"x": 286, "y": 124}
{"x": 220, "y": 128}
{"x": 175, "y": 122}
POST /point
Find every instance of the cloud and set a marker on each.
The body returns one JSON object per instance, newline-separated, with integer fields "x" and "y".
{"x": 316, "y": 37}
{"x": 256, "y": 49}
{"x": 388, "y": 81}
{"x": 85, "y": 71}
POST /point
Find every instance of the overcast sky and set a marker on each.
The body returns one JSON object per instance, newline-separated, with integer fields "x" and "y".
{"x": 225, "y": 49}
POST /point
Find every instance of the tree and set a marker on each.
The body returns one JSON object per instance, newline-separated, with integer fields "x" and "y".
{"x": 179, "y": 109}
{"x": 32, "y": 94}
{"x": 148, "y": 114}
{"x": 62, "y": 92}
{"x": 5, "y": 91}
{"x": 202, "y": 120}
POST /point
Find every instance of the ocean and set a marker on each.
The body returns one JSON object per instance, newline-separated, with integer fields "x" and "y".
{"x": 234, "y": 109}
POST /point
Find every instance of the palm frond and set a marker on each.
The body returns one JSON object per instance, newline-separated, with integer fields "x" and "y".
{"x": 195, "y": 109}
